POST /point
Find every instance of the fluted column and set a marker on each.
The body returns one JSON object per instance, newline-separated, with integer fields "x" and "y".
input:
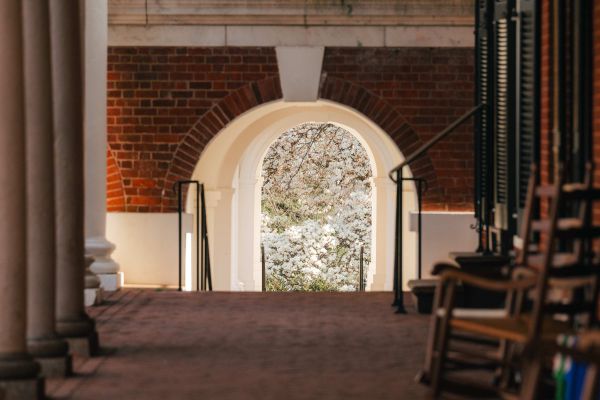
{"x": 71, "y": 319}
{"x": 14, "y": 360}
{"x": 42, "y": 340}
{"x": 95, "y": 49}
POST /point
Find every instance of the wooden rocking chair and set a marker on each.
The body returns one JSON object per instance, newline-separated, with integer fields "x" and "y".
{"x": 529, "y": 316}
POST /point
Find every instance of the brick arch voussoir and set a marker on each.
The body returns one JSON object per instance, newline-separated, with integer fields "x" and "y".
{"x": 390, "y": 120}
{"x": 115, "y": 193}
{"x": 208, "y": 126}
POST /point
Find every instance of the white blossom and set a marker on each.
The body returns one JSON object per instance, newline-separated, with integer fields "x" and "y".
{"x": 316, "y": 209}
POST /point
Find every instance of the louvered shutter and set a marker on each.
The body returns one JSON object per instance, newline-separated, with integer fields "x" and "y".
{"x": 483, "y": 146}
{"x": 503, "y": 117}
{"x": 527, "y": 95}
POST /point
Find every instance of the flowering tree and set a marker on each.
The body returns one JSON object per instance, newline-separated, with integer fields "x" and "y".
{"x": 316, "y": 202}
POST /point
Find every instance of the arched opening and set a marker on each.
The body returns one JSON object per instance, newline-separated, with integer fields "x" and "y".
{"x": 317, "y": 210}
{"x": 229, "y": 167}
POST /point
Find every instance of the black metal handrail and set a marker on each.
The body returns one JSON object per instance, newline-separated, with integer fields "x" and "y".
{"x": 263, "y": 264}
{"x": 398, "y": 254}
{"x": 421, "y": 150}
{"x": 203, "y": 272}
{"x": 361, "y": 270}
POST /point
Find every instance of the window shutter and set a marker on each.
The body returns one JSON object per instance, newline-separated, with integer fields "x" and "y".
{"x": 483, "y": 148}
{"x": 527, "y": 95}
{"x": 502, "y": 128}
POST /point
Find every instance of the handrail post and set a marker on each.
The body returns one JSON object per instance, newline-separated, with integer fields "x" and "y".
{"x": 179, "y": 232}
{"x": 203, "y": 233}
{"x": 202, "y": 255}
{"x": 420, "y": 225}
{"x": 361, "y": 276}
{"x": 198, "y": 261}
{"x": 207, "y": 275}
{"x": 398, "y": 294}
{"x": 263, "y": 266}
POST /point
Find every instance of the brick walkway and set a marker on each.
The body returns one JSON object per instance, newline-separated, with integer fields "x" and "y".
{"x": 169, "y": 345}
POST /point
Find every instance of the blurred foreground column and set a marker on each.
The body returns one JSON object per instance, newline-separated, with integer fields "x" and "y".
{"x": 72, "y": 321}
{"x": 43, "y": 342}
{"x": 18, "y": 371}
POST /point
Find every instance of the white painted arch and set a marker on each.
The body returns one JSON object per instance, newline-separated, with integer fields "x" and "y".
{"x": 230, "y": 168}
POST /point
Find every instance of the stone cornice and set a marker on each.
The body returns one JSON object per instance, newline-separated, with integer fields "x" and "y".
{"x": 292, "y": 12}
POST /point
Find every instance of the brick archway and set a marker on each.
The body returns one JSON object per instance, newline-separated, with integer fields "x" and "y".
{"x": 334, "y": 89}
{"x": 155, "y": 192}
{"x": 166, "y": 103}
{"x": 115, "y": 193}
{"x": 390, "y": 120}
{"x": 189, "y": 150}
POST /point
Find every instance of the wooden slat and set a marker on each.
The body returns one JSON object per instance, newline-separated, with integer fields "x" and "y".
{"x": 558, "y": 260}
{"x": 570, "y": 191}
{"x": 514, "y": 329}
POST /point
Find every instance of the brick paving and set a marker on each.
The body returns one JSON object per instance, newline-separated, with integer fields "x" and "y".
{"x": 170, "y": 345}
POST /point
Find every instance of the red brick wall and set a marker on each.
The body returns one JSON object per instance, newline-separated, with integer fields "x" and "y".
{"x": 165, "y": 104}
{"x": 429, "y": 88}
{"x": 155, "y": 96}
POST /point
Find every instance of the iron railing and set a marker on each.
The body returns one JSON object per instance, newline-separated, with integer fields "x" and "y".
{"x": 263, "y": 264}
{"x": 361, "y": 271}
{"x": 399, "y": 180}
{"x": 203, "y": 272}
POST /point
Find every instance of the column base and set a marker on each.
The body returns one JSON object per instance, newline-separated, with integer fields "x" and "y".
{"x": 88, "y": 346}
{"x": 111, "y": 282}
{"x": 100, "y": 250}
{"x": 93, "y": 297}
{"x": 22, "y": 389}
{"x": 18, "y": 366}
{"x": 47, "y": 347}
{"x": 80, "y": 327}
{"x": 56, "y": 367}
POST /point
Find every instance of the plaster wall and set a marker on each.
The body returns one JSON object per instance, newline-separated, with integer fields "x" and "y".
{"x": 444, "y": 232}
{"x": 147, "y": 246}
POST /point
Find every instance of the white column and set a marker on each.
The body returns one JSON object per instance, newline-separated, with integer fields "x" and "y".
{"x": 42, "y": 340}
{"x": 377, "y": 274}
{"x": 72, "y": 320}
{"x": 15, "y": 363}
{"x": 247, "y": 234}
{"x": 95, "y": 50}
{"x": 218, "y": 215}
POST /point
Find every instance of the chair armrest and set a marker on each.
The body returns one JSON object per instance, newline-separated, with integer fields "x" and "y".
{"x": 440, "y": 267}
{"x": 484, "y": 283}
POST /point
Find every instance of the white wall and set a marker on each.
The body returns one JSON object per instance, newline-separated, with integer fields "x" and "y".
{"x": 443, "y": 232}
{"x": 147, "y": 246}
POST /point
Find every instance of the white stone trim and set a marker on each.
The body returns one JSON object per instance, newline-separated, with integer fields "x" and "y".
{"x": 234, "y": 158}
{"x": 259, "y": 35}
{"x": 291, "y": 12}
{"x": 300, "y": 71}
